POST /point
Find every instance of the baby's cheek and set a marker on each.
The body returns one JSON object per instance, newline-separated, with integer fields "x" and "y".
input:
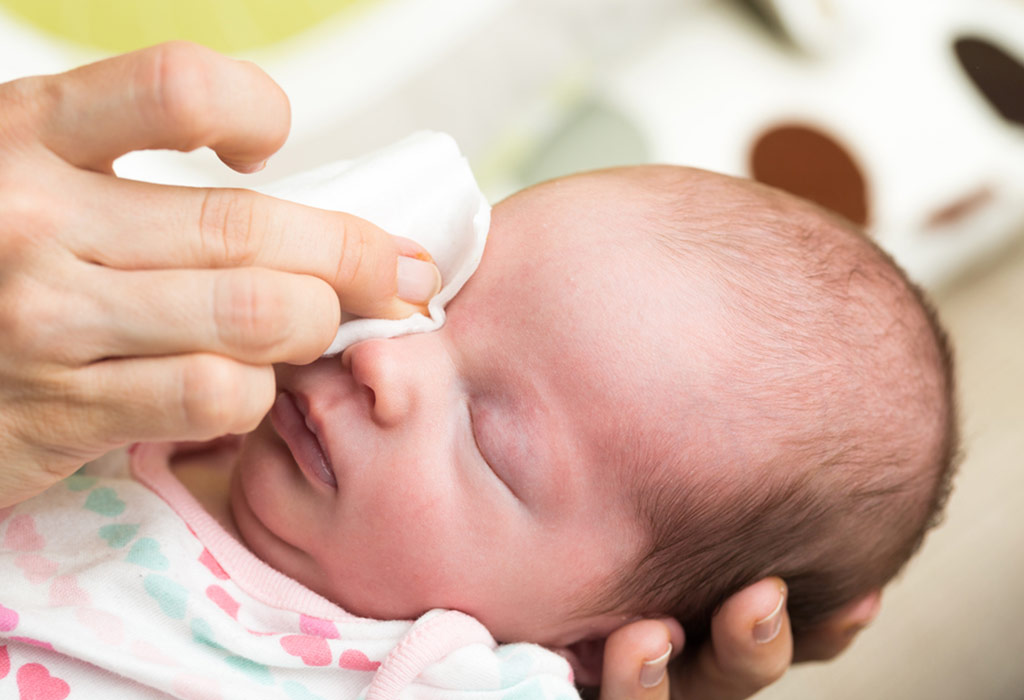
{"x": 408, "y": 549}
{"x": 384, "y": 575}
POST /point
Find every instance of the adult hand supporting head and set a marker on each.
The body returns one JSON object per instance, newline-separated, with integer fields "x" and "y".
{"x": 131, "y": 311}
{"x": 751, "y": 647}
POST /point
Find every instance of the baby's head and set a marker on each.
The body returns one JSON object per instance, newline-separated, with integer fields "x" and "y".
{"x": 660, "y": 385}
{"x": 817, "y": 440}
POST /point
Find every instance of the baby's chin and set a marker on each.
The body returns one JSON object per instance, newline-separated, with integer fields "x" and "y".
{"x": 248, "y": 497}
{"x": 248, "y": 528}
{"x": 237, "y": 505}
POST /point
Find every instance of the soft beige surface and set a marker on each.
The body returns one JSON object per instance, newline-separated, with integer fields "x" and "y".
{"x": 952, "y": 628}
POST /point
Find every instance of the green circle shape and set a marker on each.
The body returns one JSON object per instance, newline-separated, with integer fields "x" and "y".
{"x": 225, "y": 25}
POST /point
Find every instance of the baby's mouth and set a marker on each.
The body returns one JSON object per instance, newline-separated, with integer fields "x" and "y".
{"x": 300, "y": 434}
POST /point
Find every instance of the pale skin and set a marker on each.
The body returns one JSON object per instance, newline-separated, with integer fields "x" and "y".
{"x": 515, "y": 423}
{"x": 135, "y": 312}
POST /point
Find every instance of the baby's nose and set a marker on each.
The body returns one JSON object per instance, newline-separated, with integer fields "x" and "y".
{"x": 387, "y": 375}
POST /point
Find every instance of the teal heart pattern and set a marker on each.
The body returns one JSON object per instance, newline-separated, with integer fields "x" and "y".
{"x": 297, "y": 691}
{"x": 105, "y": 502}
{"x": 146, "y": 552}
{"x": 118, "y": 536}
{"x": 202, "y": 633}
{"x": 256, "y": 671}
{"x": 170, "y": 595}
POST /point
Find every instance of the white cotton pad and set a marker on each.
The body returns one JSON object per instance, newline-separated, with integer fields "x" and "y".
{"x": 420, "y": 188}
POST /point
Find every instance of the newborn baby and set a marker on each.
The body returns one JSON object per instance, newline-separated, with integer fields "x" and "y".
{"x": 660, "y": 386}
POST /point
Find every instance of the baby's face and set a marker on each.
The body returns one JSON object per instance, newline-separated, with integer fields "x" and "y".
{"x": 490, "y": 466}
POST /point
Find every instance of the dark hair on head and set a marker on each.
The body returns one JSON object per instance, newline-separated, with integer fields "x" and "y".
{"x": 844, "y": 368}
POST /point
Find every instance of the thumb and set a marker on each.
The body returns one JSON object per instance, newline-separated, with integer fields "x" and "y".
{"x": 751, "y": 646}
{"x": 383, "y": 276}
{"x": 636, "y": 658}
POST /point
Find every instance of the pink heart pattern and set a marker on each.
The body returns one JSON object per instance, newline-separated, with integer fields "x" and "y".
{"x": 318, "y": 628}
{"x": 64, "y": 590}
{"x": 224, "y": 601}
{"x": 36, "y": 683}
{"x": 194, "y": 687}
{"x": 8, "y": 619}
{"x": 144, "y": 651}
{"x": 21, "y": 535}
{"x": 5, "y": 662}
{"x": 355, "y": 660}
{"x": 36, "y": 567}
{"x": 312, "y": 650}
{"x": 207, "y": 560}
{"x": 107, "y": 627}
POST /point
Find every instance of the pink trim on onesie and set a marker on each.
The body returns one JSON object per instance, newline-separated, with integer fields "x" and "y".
{"x": 150, "y": 466}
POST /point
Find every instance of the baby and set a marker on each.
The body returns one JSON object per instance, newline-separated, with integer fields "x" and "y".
{"x": 660, "y": 385}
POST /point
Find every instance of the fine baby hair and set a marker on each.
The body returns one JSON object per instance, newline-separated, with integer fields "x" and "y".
{"x": 825, "y": 433}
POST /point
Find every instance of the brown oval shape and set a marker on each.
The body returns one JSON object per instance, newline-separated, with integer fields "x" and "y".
{"x": 998, "y": 75}
{"x": 811, "y": 164}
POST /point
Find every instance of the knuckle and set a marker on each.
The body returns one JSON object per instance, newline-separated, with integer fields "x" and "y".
{"x": 351, "y": 257}
{"x": 210, "y": 392}
{"x": 27, "y": 318}
{"x": 228, "y": 226}
{"x": 247, "y": 313}
{"x": 177, "y": 76}
{"x": 20, "y": 229}
{"x": 27, "y": 216}
{"x": 23, "y": 100}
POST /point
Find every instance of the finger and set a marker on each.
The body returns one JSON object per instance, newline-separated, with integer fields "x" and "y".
{"x": 254, "y": 315}
{"x": 193, "y": 227}
{"x": 751, "y": 646}
{"x": 175, "y": 95}
{"x": 636, "y": 657}
{"x": 831, "y": 637}
{"x": 182, "y": 397}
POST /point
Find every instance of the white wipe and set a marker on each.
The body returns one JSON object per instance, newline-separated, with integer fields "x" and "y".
{"x": 420, "y": 188}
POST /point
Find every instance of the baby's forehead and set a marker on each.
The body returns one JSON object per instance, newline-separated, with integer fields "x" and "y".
{"x": 585, "y": 255}
{"x": 580, "y": 216}
{"x": 574, "y": 266}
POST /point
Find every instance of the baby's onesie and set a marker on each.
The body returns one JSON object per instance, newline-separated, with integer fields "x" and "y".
{"x": 122, "y": 587}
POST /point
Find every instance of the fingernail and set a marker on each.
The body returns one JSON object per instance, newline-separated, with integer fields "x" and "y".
{"x": 247, "y": 168}
{"x": 767, "y": 628}
{"x": 411, "y": 249}
{"x": 256, "y": 167}
{"x": 653, "y": 671}
{"x": 418, "y": 280}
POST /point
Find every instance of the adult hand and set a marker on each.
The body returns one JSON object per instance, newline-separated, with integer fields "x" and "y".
{"x": 131, "y": 311}
{"x": 751, "y": 647}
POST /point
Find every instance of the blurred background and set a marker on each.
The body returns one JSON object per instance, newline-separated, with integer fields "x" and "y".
{"x": 906, "y": 117}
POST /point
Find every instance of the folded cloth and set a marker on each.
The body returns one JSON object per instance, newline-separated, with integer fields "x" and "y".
{"x": 420, "y": 188}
